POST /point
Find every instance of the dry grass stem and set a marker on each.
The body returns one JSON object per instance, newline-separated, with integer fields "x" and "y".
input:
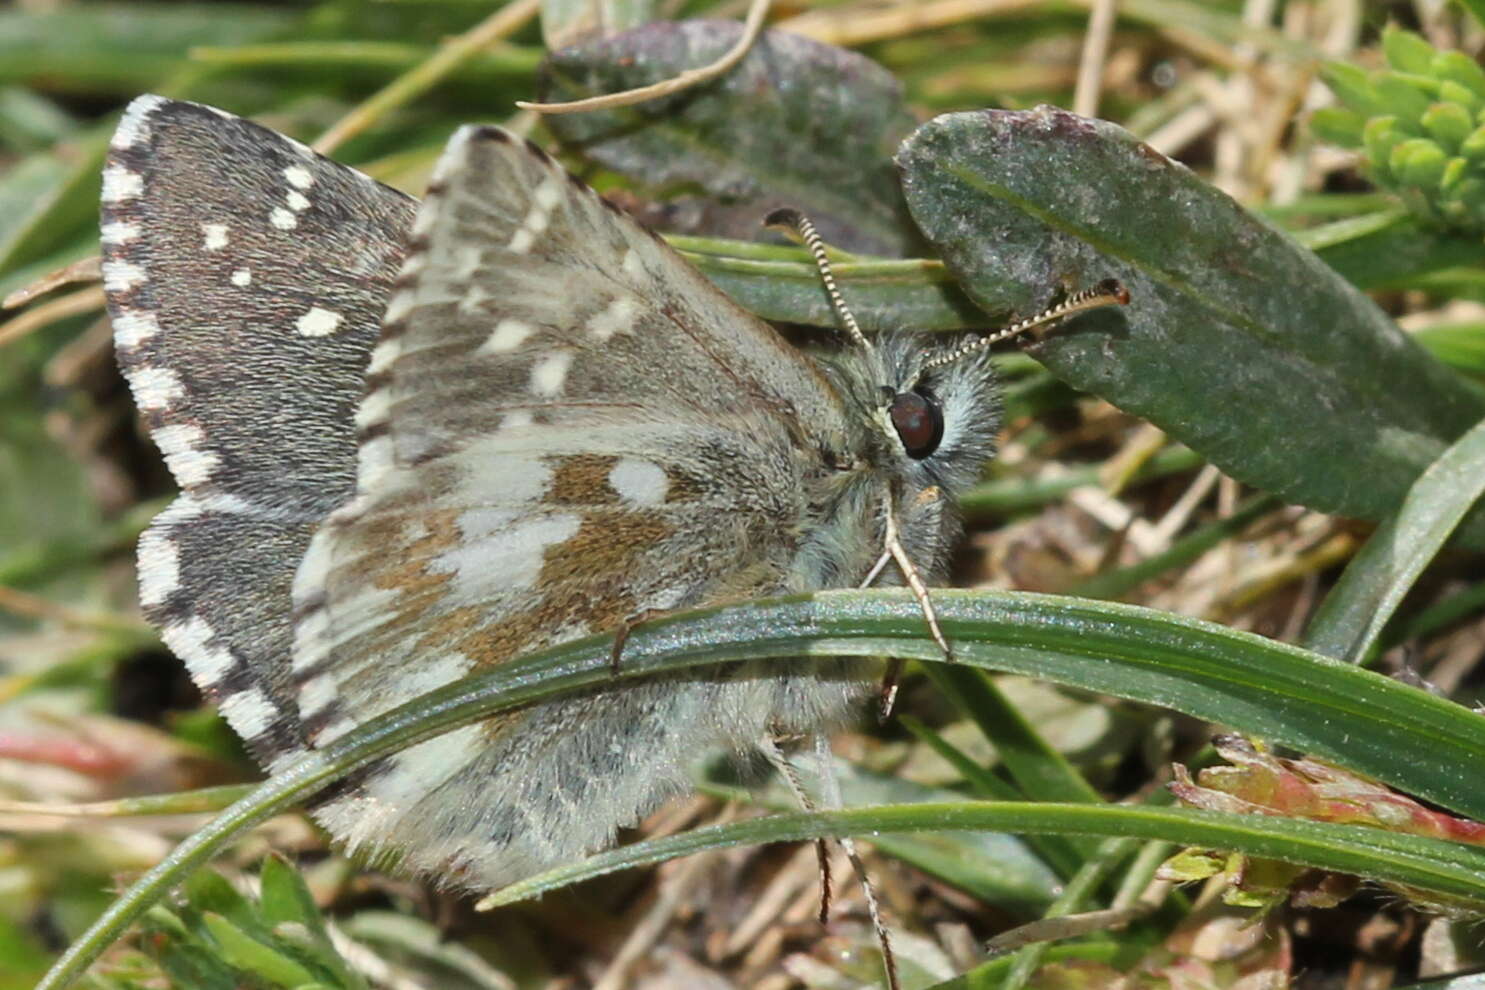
{"x": 752, "y": 27}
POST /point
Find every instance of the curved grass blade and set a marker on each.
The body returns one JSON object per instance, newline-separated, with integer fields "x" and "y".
{"x": 1238, "y": 342}
{"x": 1447, "y": 867}
{"x": 1353, "y": 614}
{"x": 1359, "y": 719}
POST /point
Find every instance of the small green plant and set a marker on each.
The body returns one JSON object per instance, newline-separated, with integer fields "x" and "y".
{"x": 215, "y": 937}
{"x": 1420, "y": 123}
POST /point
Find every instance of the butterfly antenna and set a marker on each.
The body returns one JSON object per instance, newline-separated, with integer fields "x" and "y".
{"x": 1109, "y": 292}
{"x": 797, "y": 222}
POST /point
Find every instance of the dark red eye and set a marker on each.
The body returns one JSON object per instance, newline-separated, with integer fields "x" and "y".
{"x": 919, "y": 424}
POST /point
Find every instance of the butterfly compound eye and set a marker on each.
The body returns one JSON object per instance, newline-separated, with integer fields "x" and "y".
{"x": 919, "y": 423}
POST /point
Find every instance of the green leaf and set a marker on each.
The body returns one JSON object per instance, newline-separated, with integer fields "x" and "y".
{"x": 1418, "y": 162}
{"x": 285, "y": 898}
{"x": 1360, "y": 720}
{"x": 1467, "y": 99}
{"x": 1448, "y": 124}
{"x": 1473, "y": 144}
{"x": 1338, "y": 126}
{"x": 1460, "y": 69}
{"x": 47, "y": 199}
{"x": 1353, "y": 88}
{"x": 1406, "y": 97}
{"x": 243, "y": 952}
{"x": 1353, "y": 614}
{"x": 796, "y": 123}
{"x": 1407, "y": 51}
{"x": 1238, "y": 342}
{"x": 1390, "y": 249}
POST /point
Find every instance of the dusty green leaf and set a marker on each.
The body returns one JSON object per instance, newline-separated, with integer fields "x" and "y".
{"x": 1240, "y": 343}
{"x": 796, "y": 123}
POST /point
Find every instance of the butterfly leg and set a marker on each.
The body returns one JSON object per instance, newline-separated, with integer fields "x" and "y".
{"x": 895, "y": 552}
{"x": 915, "y": 583}
{"x": 630, "y": 623}
{"x": 832, "y": 796}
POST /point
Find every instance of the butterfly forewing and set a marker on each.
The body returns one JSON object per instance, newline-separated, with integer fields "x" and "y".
{"x": 532, "y": 299}
{"x": 246, "y": 278}
{"x": 565, "y": 427}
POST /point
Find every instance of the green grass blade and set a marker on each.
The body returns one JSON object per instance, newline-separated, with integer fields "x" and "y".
{"x": 1447, "y": 867}
{"x": 1356, "y": 718}
{"x": 1353, "y": 614}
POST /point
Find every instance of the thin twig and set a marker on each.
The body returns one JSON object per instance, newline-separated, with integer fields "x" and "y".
{"x": 424, "y": 76}
{"x": 73, "y": 304}
{"x": 752, "y": 27}
{"x": 32, "y": 606}
{"x": 855, "y": 24}
{"x": 83, "y": 270}
{"x": 1095, "y": 51}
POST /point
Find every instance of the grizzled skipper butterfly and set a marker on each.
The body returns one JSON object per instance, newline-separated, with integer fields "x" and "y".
{"x": 415, "y": 440}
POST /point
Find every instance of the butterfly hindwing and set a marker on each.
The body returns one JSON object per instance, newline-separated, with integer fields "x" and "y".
{"x": 246, "y": 277}
{"x": 565, "y": 427}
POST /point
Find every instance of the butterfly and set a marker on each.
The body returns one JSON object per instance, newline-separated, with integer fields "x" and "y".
{"x": 417, "y": 440}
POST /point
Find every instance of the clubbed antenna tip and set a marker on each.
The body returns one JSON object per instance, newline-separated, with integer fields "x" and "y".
{"x": 1109, "y": 292}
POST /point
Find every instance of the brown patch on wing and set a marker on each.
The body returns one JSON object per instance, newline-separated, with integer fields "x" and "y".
{"x": 582, "y": 479}
{"x": 586, "y": 581}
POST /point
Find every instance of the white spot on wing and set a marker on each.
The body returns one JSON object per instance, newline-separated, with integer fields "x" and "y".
{"x": 521, "y": 242}
{"x": 188, "y": 640}
{"x": 335, "y": 730}
{"x": 242, "y": 278}
{"x": 119, "y": 232}
{"x": 633, "y": 267}
{"x": 548, "y": 374}
{"x": 514, "y": 552}
{"x": 134, "y": 125}
{"x": 283, "y": 219}
{"x": 516, "y": 479}
{"x": 373, "y": 462}
{"x": 121, "y": 276}
{"x": 382, "y": 357}
{"x": 316, "y": 694}
{"x": 375, "y": 407}
{"x": 616, "y": 317}
{"x": 401, "y": 304}
{"x": 515, "y": 419}
{"x": 132, "y": 328}
{"x": 508, "y": 334}
{"x": 639, "y": 482}
{"x": 299, "y": 177}
{"x": 181, "y": 445}
{"x": 216, "y": 236}
{"x": 548, "y": 194}
{"x": 249, "y": 712}
{"x": 159, "y": 569}
{"x": 120, "y": 184}
{"x": 411, "y": 774}
{"x": 297, "y": 201}
{"x": 155, "y": 388}
{"x": 318, "y": 322}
